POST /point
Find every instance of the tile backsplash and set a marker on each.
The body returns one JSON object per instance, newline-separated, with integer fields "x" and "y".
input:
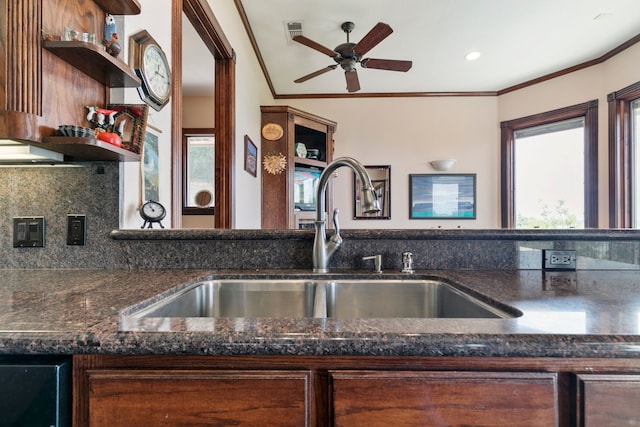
{"x": 92, "y": 189}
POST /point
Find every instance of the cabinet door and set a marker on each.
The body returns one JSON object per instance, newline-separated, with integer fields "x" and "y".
{"x": 197, "y": 398}
{"x": 368, "y": 398}
{"x": 608, "y": 400}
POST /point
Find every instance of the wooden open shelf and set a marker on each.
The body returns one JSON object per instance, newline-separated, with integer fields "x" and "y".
{"x": 87, "y": 149}
{"x": 95, "y": 62}
{"x": 119, "y": 7}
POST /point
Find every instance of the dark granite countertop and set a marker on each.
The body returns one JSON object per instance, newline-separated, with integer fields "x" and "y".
{"x": 576, "y": 314}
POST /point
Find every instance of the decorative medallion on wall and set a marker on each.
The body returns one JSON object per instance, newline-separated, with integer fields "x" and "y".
{"x": 274, "y": 163}
{"x": 272, "y": 131}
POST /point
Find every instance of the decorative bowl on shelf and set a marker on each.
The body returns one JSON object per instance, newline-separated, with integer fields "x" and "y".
{"x": 76, "y": 131}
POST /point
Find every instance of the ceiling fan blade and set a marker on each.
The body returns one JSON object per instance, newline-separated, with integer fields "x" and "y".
{"x": 314, "y": 45}
{"x": 386, "y": 64}
{"x": 378, "y": 33}
{"x": 315, "y": 73}
{"x": 353, "y": 83}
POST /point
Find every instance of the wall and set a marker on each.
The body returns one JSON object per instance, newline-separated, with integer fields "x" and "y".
{"x": 407, "y": 133}
{"x": 581, "y": 86}
{"x": 197, "y": 112}
{"x": 251, "y": 92}
{"x": 156, "y": 19}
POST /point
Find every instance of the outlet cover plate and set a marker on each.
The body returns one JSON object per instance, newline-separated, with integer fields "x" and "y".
{"x": 556, "y": 259}
{"x": 76, "y": 230}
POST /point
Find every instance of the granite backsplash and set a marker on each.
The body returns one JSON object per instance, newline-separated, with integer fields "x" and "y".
{"x": 92, "y": 189}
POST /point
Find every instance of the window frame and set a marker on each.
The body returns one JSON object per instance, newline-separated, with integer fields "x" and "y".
{"x": 621, "y": 156}
{"x": 189, "y": 210}
{"x": 588, "y": 110}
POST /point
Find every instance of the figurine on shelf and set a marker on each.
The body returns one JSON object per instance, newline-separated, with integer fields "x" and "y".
{"x": 101, "y": 117}
{"x": 109, "y": 28}
{"x": 110, "y": 137}
{"x": 112, "y": 46}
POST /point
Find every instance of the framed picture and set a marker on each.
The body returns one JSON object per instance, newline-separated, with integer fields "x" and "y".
{"x": 130, "y": 122}
{"x": 250, "y": 156}
{"x": 442, "y": 196}
{"x": 381, "y": 181}
{"x": 149, "y": 165}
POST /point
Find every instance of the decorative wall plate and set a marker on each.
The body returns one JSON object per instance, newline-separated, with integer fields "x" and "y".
{"x": 272, "y": 131}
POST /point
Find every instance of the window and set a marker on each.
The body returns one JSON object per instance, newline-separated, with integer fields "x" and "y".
{"x": 198, "y": 169}
{"x": 550, "y": 170}
{"x": 624, "y": 157}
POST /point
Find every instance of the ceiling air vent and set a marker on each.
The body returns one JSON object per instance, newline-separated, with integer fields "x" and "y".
{"x": 293, "y": 29}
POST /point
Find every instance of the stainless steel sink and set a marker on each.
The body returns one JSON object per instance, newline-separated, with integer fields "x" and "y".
{"x": 238, "y": 298}
{"x": 332, "y": 299}
{"x": 419, "y": 298}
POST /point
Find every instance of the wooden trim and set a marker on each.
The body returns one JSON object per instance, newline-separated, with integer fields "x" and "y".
{"x": 254, "y": 44}
{"x": 621, "y": 156}
{"x": 608, "y": 55}
{"x": 590, "y": 112}
{"x": 203, "y": 20}
{"x": 187, "y": 132}
{"x": 21, "y": 90}
{"x": 225, "y": 114}
{"x": 205, "y": 23}
{"x": 245, "y": 21}
{"x": 176, "y": 114}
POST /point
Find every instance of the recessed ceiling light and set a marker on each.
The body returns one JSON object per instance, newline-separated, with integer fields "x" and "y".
{"x": 472, "y": 56}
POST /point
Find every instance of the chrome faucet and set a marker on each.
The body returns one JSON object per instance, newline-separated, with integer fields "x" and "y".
{"x": 323, "y": 249}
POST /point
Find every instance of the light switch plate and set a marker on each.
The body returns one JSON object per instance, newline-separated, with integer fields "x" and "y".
{"x": 28, "y": 232}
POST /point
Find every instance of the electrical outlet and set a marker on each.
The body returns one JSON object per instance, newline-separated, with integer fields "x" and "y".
{"x": 76, "y": 229}
{"x": 28, "y": 232}
{"x": 554, "y": 259}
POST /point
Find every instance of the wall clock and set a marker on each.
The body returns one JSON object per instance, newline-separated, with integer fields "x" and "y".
{"x": 148, "y": 61}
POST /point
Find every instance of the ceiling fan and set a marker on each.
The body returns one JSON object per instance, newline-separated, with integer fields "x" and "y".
{"x": 348, "y": 54}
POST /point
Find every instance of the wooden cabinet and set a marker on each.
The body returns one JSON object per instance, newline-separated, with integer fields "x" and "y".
{"x": 46, "y": 84}
{"x": 288, "y": 202}
{"x": 198, "y": 397}
{"x": 608, "y": 400}
{"x": 415, "y": 398}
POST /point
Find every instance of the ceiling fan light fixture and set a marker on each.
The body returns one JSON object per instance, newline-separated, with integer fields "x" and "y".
{"x": 473, "y": 55}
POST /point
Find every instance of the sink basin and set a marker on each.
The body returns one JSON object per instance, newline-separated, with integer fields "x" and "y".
{"x": 238, "y": 298}
{"x": 418, "y": 298}
{"x": 331, "y": 299}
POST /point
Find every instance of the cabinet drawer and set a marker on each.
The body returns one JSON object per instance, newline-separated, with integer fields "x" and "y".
{"x": 608, "y": 400}
{"x": 373, "y": 398}
{"x": 195, "y": 398}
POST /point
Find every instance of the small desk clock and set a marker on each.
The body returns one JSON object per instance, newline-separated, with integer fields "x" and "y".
{"x": 151, "y": 212}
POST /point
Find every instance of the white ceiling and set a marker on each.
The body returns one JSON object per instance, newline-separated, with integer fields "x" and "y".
{"x": 519, "y": 40}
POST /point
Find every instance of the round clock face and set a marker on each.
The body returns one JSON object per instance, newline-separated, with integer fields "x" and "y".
{"x": 152, "y": 211}
{"x": 157, "y": 71}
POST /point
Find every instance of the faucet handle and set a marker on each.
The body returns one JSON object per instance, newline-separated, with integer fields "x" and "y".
{"x": 407, "y": 262}
{"x": 377, "y": 260}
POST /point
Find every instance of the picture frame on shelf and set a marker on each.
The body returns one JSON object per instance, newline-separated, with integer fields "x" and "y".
{"x": 442, "y": 196}
{"x": 131, "y": 124}
{"x": 250, "y": 157}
